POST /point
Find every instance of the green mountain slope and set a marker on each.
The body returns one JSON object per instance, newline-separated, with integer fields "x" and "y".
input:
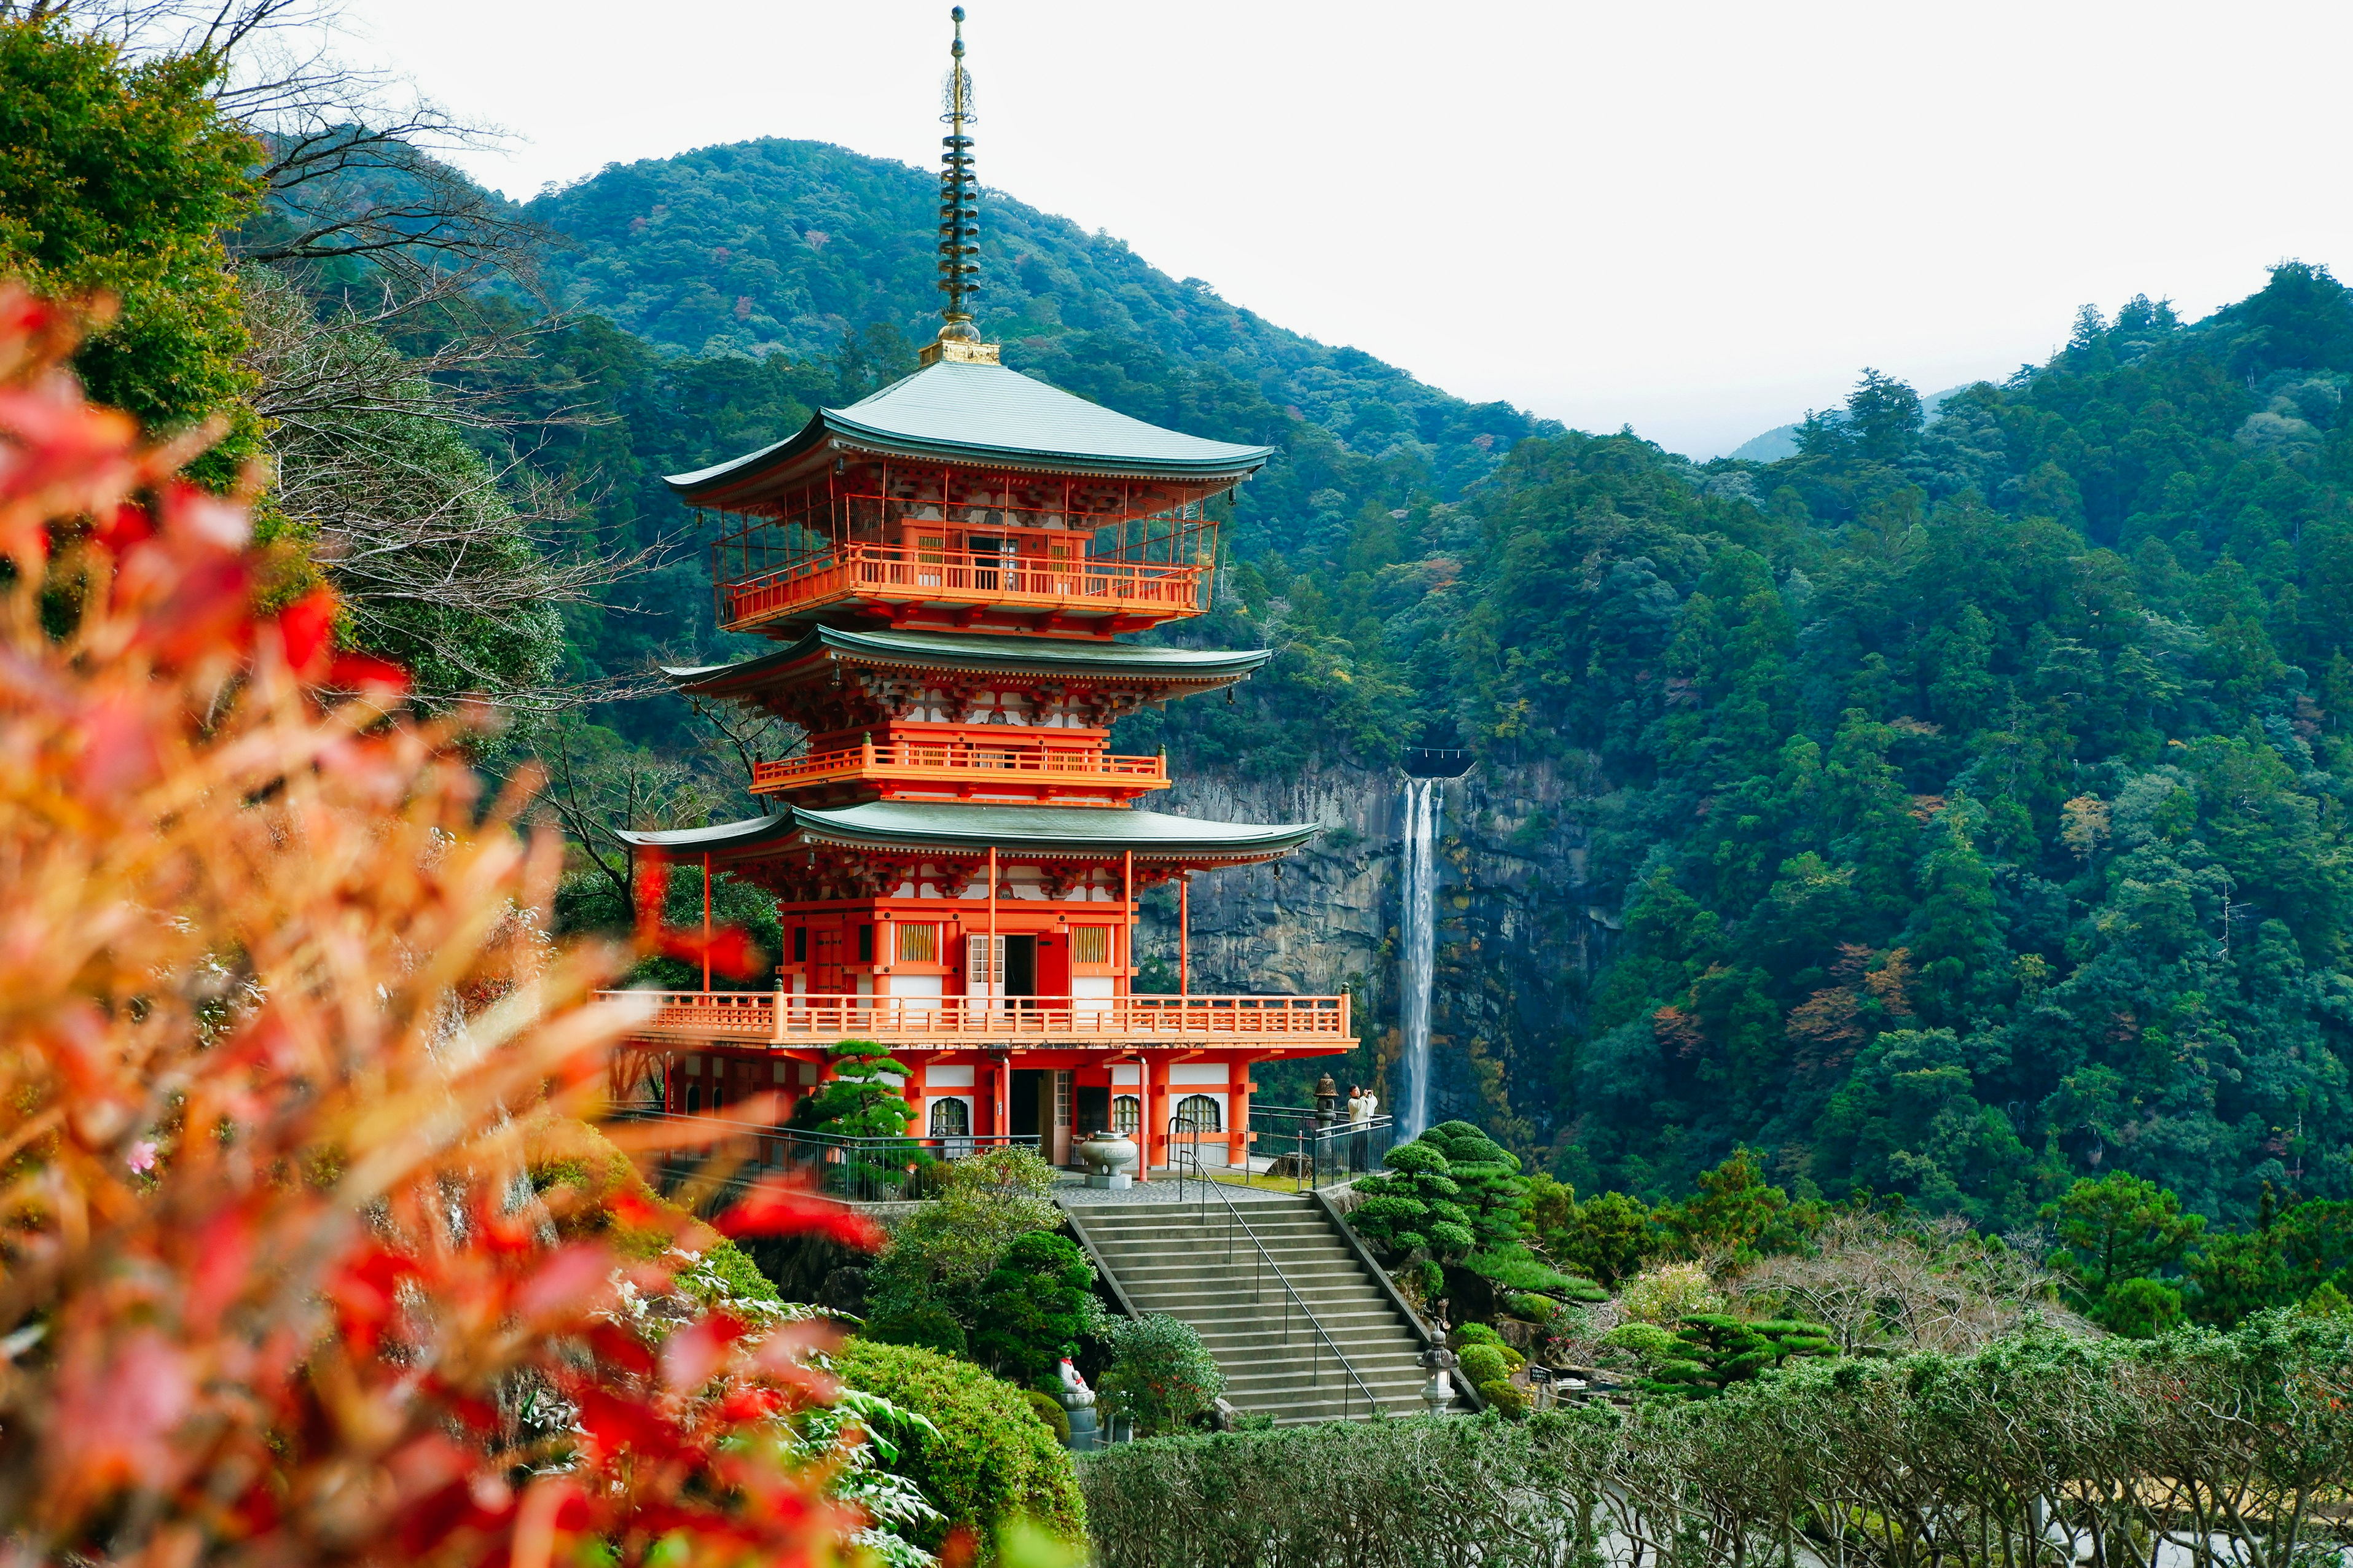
{"x": 1973, "y": 795}
{"x": 724, "y": 294}
{"x": 785, "y": 248}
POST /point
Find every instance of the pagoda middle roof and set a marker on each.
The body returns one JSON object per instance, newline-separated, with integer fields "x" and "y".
{"x": 1064, "y": 656}
{"x": 986, "y": 415}
{"x": 1031, "y": 830}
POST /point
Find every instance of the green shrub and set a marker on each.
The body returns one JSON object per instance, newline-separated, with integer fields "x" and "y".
{"x": 1472, "y": 1334}
{"x": 1506, "y": 1396}
{"x": 1411, "y": 1204}
{"x": 1535, "y": 1308}
{"x": 1036, "y": 1305}
{"x": 1522, "y": 1270}
{"x": 1427, "y": 1277}
{"x": 1493, "y": 1191}
{"x": 1712, "y": 1350}
{"x": 1647, "y": 1343}
{"x": 992, "y": 1459}
{"x": 1049, "y": 1410}
{"x": 932, "y": 1327}
{"x": 1482, "y": 1364}
{"x": 1160, "y": 1374}
{"x": 939, "y": 1256}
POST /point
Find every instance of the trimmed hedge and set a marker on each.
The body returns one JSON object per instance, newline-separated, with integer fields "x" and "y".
{"x": 1981, "y": 1459}
{"x": 994, "y": 1459}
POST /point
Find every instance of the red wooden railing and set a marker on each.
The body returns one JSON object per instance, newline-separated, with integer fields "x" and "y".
{"x": 755, "y": 1017}
{"x": 949, "y": 576}
{"x": 960, "y": 762}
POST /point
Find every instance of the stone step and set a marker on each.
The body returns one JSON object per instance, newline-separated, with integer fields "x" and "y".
{"x": 1322, "y": 1242}
{"x": 1355, "y": 1343}
{"x": 1227, "y": 1279}
{"x": 1319, "y": 1299}
{"x": 1273, "y": 1378}
{"x": 1241, "y": 1270}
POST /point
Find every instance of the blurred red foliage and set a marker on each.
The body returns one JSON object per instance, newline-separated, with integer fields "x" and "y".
{"x": 277, "y": 1017}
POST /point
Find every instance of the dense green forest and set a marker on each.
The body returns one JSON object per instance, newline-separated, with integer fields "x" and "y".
{"x": 1973, "y": 792}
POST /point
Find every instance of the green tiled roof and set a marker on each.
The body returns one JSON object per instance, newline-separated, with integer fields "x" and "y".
{"x": 1013, "y": 653}
{"x": 986, "y": 414}
{"x": 1035, "y": 829}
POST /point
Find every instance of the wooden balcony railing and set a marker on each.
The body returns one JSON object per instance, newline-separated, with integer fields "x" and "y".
{"x": 890, "y": 572}
{"x": 756, "y": 1017}
{"x": 958, "y": 762}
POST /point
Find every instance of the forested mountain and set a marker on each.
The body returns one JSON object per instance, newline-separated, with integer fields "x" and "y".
{"x": 1972, "y": 795}
{"x": 750, "y": 284}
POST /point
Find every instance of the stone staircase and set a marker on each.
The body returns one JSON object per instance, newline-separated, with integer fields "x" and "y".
{"x": 1202, "y": 1269}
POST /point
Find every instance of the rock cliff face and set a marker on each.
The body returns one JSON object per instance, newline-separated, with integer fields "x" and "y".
{"x": 1515, "y": 945}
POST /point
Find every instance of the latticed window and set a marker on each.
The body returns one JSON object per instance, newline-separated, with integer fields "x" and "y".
{"x": 1126, "y": 1114}
{"x": 1091, "y": 944}
{"x": 1199, "y": 1113}
{"x": 951, "y": 1119}
{"x": 919, "y": 943}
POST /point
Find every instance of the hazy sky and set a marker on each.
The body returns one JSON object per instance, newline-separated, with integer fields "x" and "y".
{"x": 1699, "y": 219}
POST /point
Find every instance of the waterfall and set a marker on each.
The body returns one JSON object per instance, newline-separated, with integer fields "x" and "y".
{"x": 1425, "y": 800}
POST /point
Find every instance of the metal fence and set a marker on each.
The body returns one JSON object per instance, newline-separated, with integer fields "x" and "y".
{"x": 857, "y": 1170}
{"x": 1315, "y": 1148}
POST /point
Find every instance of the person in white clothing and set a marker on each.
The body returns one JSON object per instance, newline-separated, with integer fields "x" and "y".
{"x": 1367, "y": 1105}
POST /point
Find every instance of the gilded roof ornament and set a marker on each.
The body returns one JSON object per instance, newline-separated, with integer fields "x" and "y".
{"x": 959, "y": 247}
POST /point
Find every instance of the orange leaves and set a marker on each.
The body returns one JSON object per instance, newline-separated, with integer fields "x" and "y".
{"x": 279, "y": 1018}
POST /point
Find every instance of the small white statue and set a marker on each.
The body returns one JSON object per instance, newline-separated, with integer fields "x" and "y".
{"x": 1076, "y": 1394}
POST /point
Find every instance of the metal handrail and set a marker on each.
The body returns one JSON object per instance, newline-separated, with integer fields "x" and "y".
{"x": 1266, "y": 1260}
{"x": 861, "y": 1169}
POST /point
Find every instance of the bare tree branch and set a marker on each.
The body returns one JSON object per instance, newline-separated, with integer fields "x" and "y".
{"x": 594, "y": 793}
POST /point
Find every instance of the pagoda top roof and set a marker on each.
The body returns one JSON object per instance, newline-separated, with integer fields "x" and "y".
{"x": 986, "y": 415}
{"x": 1024, "y": 829}
{"x": 1066, "y": 658}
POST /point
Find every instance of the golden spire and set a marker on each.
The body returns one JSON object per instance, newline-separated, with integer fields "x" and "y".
{"x": 959, "y": 218}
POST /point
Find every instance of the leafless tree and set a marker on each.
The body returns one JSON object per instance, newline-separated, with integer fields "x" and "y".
{"x": 401, "y": 511}
{"x": 1882, "y": 1282}
{"x": 749, "y": 736}
{"x": 598, "y": 786}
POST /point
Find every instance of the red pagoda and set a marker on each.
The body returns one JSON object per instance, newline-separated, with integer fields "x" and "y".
{"x": 946, "y": 568}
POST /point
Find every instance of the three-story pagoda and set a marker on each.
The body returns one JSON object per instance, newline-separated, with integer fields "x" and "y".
{"x": 946, "y": 568}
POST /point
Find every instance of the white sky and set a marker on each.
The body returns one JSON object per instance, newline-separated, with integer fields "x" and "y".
{"x": 1697, "y": 218}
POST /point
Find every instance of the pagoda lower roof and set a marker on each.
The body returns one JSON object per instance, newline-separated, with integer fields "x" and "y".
{"x": 956, "y": 829}
{"x": 1009, "y": 653}
{"x": 981, "y": 416}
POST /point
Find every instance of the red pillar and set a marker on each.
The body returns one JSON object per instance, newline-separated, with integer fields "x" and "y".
{"x": 1238, "y": 1093}
{"x": 1156, "y": 1112}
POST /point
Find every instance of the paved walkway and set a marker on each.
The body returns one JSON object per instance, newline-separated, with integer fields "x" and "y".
{"x": 1161, "y": 1189}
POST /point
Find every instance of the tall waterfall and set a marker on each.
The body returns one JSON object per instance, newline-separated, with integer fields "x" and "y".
{"x": 1425, "y": 801}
